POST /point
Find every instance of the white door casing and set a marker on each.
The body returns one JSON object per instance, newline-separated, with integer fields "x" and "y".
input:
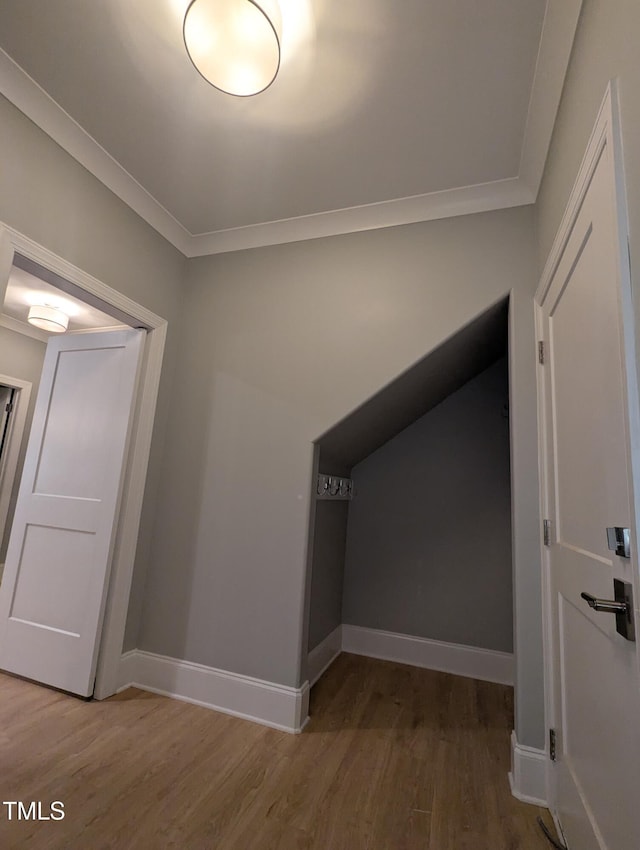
{"x": 54, "y": 588}
{"x": 590, "y": 421}
{"x": 9, "y": 463}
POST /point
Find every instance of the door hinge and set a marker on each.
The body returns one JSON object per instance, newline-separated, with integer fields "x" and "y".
{"x": 552, "y": 744}
{"x": 9, "y": 407}
{"x": 541, "y": 351}
{"x": 546, "y": 532}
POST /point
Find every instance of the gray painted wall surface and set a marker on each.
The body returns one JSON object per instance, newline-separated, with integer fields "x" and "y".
{"x": 327, "y": 577}
{"x": 283, "y": 343}
{"x": 46, "y": 195}
{"x": 328, "y": 545}
{"x": 429, "y": 534}
{"x": 20, "y": 357}
{"x": 279, "y": 345}
{"x": 444, "y": 370}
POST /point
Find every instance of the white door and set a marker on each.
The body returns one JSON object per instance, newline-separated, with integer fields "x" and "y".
{"x": 54, "y": 586}
{"x": 589, "y": 487}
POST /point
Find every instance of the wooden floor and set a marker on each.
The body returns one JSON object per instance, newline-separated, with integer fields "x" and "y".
{"x": 394, "y": 758}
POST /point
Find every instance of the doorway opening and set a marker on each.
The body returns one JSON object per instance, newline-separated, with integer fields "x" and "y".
{"x": 413, "y": 562}
{"x": 27, "y": 260}
{"x": 23, "y": 347}
{"x": 14, "y": 405}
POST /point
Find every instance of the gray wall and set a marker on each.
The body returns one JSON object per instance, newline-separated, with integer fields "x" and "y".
{"x": 279, "y": 344}
{"x": 46, "y": 195}
{"x": 20, "y": 357}
{"x": 283, "y": 343}
{"x": 328, "y": 546}
{"x": 429, "y": 534}
{"x": 327, "y": 577}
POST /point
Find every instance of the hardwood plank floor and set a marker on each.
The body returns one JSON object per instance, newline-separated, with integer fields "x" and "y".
{"x": 394, "y": 758}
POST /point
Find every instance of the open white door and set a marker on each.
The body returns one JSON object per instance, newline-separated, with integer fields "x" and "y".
{"x": 56, "y": 574}
{"x": 590, "y": 427}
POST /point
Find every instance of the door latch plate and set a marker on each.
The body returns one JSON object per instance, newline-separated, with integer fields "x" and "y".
{"x": 625, "y": 623}
{"x": 619, "y": 541}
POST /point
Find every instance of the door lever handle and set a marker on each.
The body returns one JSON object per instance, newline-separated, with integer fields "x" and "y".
{"x": 621, "y": 605}
{"x": 611, "y": 606}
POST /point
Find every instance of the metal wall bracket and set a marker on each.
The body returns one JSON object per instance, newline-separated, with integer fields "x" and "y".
{"x": 334, "y": 487}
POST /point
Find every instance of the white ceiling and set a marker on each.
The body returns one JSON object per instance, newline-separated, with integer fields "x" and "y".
{"x": 383, "y": 112}
{"x": 24, "y": 290}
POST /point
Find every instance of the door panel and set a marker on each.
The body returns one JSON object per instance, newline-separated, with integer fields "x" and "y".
{"x": 78, "y": 425}
{"x": 57, "y": 567}
{"x": 41, "y": 597}
{"x": 589, "y": 487}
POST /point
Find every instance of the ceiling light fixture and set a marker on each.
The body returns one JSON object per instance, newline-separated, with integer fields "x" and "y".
{"x": 234, "y": 44}
{"x": 48, "y": 318}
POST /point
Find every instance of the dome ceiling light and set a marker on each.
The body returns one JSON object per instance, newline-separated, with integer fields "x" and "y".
{"x": 48, "y": 318}
{"x": 234, "y": 44}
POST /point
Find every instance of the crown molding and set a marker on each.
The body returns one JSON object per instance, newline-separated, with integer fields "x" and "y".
{"x": 15, "y": 325}
{"x": 31, "y": 99}
{"x": 558, "y": 31}
{"x": 452, "y": 202}
{"x": 554, "y": 52}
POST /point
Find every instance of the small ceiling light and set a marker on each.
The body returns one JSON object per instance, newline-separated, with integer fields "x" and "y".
{"x": 234, "y": 44}
{"x": 48, "y": 318}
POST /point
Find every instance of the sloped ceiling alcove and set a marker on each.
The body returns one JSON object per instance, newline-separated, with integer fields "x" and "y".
{"x": 427, "y": 383}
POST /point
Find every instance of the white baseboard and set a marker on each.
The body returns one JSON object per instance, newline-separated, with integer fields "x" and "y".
{"x": 528, "y": 777}
{"x": 263, "y": 702}
{"x": 322, "y": 656}
{"x": 485, "y": 664}
{"x": 287, "y": 708}
{"x": 127, "y": 670}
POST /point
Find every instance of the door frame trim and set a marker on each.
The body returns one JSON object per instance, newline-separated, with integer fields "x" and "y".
{"x": 111, "y": 641}
{"x": 16, "y": 433}
{"x": 606, "y": 133}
